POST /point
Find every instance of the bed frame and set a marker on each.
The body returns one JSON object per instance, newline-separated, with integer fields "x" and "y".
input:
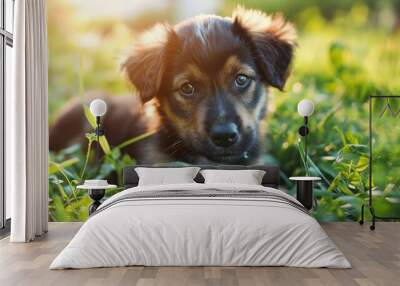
{"x": 271, "y": 177}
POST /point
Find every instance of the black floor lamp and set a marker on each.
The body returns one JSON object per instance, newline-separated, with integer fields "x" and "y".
{"x": 369, "y": 205}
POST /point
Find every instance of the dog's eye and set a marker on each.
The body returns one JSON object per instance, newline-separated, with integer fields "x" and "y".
{"x": 187, "y": 89}
{"x": 242, "y": 80}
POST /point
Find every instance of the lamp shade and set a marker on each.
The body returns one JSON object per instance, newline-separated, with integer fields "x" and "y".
{"x": 98, "y": 107}
{"x": 305, "y": 107}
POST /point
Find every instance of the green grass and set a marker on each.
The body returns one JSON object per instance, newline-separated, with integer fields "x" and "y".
{"x": 346, "y": 52}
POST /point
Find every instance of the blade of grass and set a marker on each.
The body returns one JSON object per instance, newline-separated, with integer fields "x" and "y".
{"x": 62, "y": 192}
{"x": 341, "y": 134}
{"x": 318, "y": 171}
{"x": 135, "y": 139}
{"x": 301, "y": 151}
{"x": 330, "y": 113}
{"x": 67, "y": 163}
{"x": 315, "y": 167}
{"x": 90, "y": 141}
{"x": 61, "y": 170}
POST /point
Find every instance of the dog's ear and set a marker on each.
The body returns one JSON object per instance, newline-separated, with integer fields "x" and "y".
{"x": 146, "y": 63}
{"x": 271, "y": 40}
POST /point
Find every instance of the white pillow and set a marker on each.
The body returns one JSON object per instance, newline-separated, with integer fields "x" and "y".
{"x": 164, "y": 176}
{"x": 248, "y": 177}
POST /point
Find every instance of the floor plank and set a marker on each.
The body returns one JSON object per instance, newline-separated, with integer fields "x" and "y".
{"x": 375, "y": 257}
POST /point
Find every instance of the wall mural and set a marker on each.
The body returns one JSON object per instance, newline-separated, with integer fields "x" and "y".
{"x": 186, "y": 88}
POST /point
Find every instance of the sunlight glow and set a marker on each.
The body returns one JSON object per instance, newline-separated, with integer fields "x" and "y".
{"x": 132, "y": 8}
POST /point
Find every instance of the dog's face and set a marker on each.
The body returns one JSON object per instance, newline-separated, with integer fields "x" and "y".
{"x": 209, "y": 78}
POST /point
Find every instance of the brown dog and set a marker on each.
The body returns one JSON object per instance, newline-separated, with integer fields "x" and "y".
{"x": 208, "y": 79}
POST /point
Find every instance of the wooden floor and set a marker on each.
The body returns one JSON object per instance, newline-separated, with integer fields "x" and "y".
{"x": 375, "y": 257}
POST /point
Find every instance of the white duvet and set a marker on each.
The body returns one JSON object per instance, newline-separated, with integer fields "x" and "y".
{"x": 201, "y": 231}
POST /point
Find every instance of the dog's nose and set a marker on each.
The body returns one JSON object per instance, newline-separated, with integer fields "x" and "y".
{"x": 224, "y": 135}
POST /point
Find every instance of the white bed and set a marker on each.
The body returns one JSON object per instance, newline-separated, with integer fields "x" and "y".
{"x": 248, "y": 226}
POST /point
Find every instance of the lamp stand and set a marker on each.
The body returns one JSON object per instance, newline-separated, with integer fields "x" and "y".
{"x": 96, "y": 195}
{"x": 99, "y": 132}
{"x": 303, "y": 131}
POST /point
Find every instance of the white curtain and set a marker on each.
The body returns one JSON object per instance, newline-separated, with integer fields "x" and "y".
{"x": 26, "y": 124}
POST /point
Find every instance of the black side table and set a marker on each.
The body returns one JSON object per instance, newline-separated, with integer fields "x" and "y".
{"x": 96, "y": 193}
{"x": 305, "y": 190}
